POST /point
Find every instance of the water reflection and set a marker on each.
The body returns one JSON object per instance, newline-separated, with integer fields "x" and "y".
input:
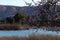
{"x": 27, "y": 32}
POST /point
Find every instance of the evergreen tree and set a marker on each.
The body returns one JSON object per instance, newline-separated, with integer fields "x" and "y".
{"x": 19, "y": 17}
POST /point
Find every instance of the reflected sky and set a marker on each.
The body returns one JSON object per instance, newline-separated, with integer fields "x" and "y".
{"x": 27, "y": 32}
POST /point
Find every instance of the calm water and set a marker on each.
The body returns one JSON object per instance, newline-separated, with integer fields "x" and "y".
{"x": 27, "y": 32}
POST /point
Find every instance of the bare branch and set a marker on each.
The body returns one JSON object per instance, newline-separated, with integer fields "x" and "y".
{"x": 29, "y": 4}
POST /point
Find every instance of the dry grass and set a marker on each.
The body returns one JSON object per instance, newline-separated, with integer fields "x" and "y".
{"x": 43, "y": 37}
{"x": 13, "y": 27}
{"x": 9, "y": 27}
{"x": 32, "y": 37}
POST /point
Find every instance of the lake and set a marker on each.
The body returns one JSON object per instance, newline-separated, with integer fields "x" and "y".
{"x": 27, "y": 32}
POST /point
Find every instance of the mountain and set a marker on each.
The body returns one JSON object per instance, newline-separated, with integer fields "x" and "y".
{"x": 6, "y": 11}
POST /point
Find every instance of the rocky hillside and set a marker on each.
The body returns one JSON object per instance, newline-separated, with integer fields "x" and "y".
{"x": 12, "y": 10}
{"x": 6, "y": 11}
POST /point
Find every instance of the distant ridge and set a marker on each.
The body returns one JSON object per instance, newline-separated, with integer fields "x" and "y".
{"x": 6, "y": 10}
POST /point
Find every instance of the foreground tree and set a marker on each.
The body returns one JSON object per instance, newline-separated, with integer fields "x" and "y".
{"x": 46, "y": 11}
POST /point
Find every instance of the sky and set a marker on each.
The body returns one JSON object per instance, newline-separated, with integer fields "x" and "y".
{"x": 16, "y": 2}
